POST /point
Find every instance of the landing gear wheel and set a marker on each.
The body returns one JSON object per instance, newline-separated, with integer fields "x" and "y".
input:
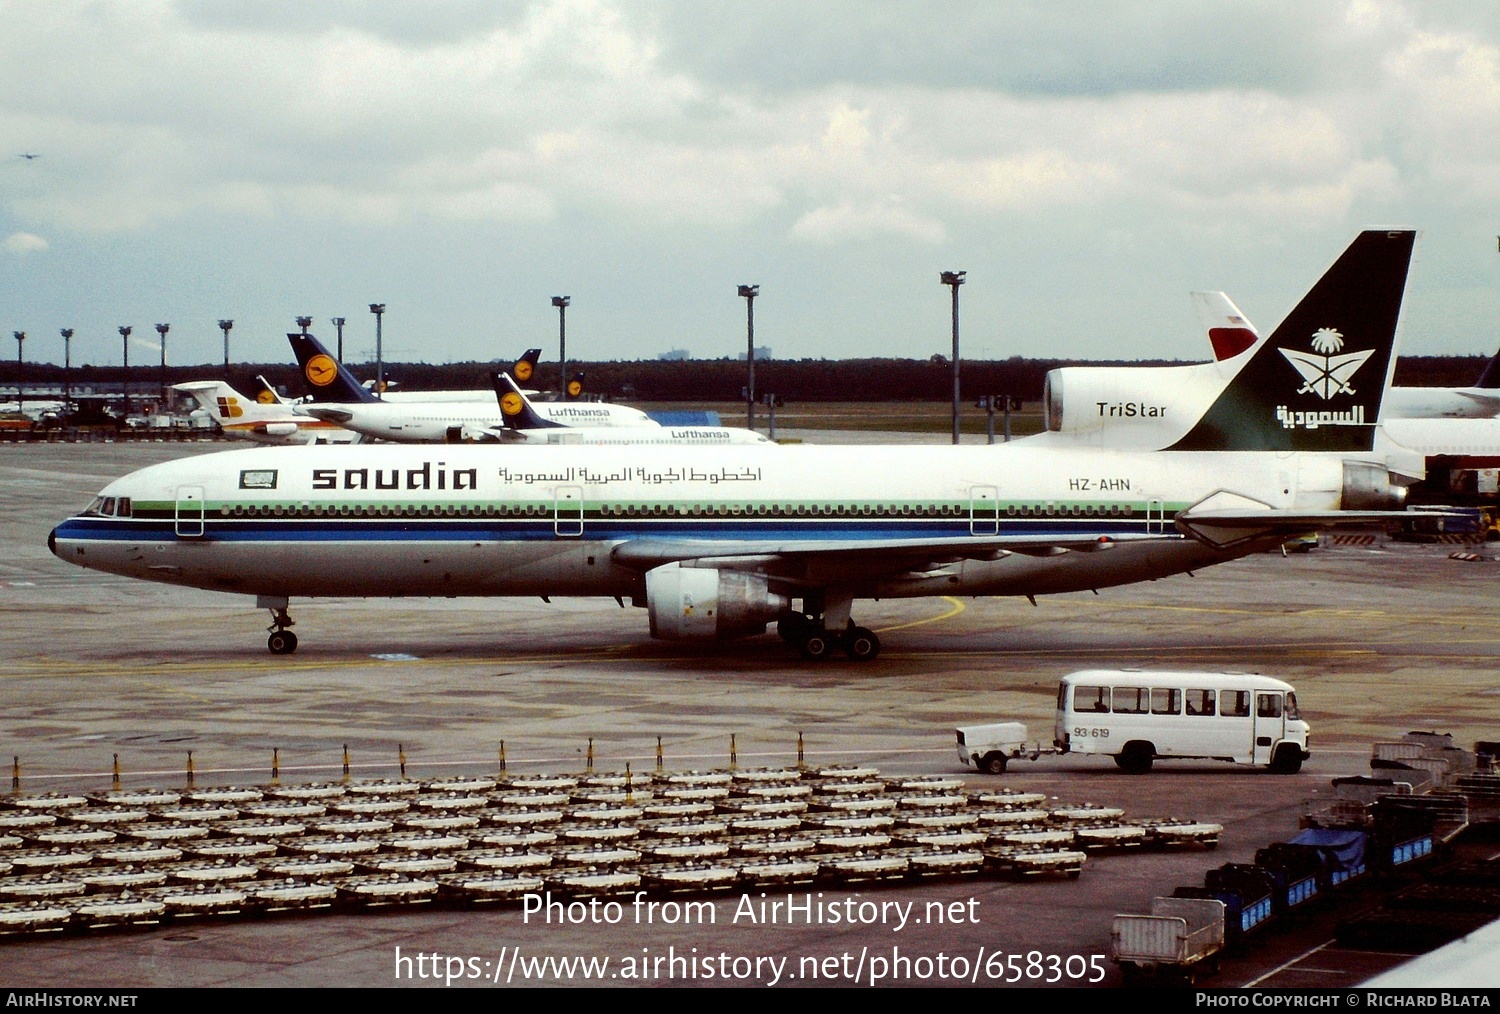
{"x": 816, "y": 646}
{"x": 993, "y": 763}
{"x": 861, "y": 644}
{"x": 282, "y": 642}
{"x": 793, "y": 627}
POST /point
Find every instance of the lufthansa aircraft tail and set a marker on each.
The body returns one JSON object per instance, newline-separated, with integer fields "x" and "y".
{"x": 1317, "y": 383}
{"x": 516, "y": 412}
{"x": 327, "y": 379}
{"x": 525, "y": 367}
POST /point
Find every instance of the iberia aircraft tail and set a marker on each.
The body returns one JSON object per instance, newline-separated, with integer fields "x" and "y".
{"x": 1317, "y": 383}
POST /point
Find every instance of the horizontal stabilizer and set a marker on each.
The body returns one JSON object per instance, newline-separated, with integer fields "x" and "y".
{"x": 1225, "y": 519}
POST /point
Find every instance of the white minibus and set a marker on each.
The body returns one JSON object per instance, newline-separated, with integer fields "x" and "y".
{"x": 1138, "y": 717}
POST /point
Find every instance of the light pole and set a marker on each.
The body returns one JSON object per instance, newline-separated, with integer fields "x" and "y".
{"x": 20, "y": 369}
{"x": 378, "y": 309}
{"x": 67, "y": 337}
{"x": 954, "y": 279}
{"x": 125, "y": 362}
{"x": 561, "y": 302}
{"x": 225, "y": 325}
{"x": 304, "y": 323}
{"x": 162, "y": 330}
{"x": 338, "y": 322}
{"x": 749, "y": 292}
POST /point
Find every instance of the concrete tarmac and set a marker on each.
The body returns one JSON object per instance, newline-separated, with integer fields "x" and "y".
{"x": 1378, "y": 639}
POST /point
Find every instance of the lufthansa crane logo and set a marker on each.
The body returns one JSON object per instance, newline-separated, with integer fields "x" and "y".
{"x": 523, "y": 370}
{"x": 321, "y": 370}
{"x": 1326, "y": 374}
{"x": 265, "y": 397}
{"x": 510, "y": 403}
{"x": 574, "y": 388}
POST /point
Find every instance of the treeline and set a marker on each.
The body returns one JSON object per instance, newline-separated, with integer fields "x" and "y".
{"x": 801, "y": 380}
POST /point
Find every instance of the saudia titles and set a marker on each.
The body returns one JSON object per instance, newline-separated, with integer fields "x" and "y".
{"x": 1324, "y": 374}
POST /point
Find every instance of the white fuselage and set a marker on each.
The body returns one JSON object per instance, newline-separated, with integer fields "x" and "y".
{"x": 482, "y": 520}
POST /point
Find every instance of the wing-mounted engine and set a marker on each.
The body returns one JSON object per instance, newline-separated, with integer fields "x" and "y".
{"x": 703, "y": 602}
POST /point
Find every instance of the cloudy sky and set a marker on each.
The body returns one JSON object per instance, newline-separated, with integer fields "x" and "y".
{"x": 1087, "y": 163}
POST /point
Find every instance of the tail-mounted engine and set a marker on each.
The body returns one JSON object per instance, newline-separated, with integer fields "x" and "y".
{"x": 700, "y": 602}
{"x": 1371, "y": 486}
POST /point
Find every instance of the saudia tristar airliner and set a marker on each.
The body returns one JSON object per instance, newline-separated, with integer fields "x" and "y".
{"x": 717, "y": 542}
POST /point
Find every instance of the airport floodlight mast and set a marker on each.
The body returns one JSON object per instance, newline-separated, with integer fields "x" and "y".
{"x": 378, "y": 309}
{"x": 20, "y": 369}
{"x": 562, "y": 302}
{"x": 338, "y": 322}
{"x": 225, "y": 325}
{"x": 954, "y": 279}
{"x": 124, "y": 330}
{"x": 304, "y": 323}
{"x": 67, "y": 337}
{"x": 749, "y": 292}
{"x": 162, "y": 330}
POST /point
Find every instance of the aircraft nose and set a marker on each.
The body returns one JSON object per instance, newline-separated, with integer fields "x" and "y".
{"x": 52, "y": 542}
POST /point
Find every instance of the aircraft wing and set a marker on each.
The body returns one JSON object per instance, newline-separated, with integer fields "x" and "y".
{"x": 855, "y": 559}
{"x": 333, "y": 415}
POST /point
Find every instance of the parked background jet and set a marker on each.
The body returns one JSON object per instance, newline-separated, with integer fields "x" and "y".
{"x": 521, "y": 423}
{"x": 268, "y": 423}
{"x": 719, "y": 542}
{"x": 338, "y": 398}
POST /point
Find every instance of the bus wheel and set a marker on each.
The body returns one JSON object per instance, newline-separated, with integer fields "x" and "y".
{"x": 1136, "y": 757}
{"x": 1287, "y": 760}
{"x": 993, "y": 763}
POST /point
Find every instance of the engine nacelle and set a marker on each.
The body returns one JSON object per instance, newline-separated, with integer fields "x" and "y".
{"x": 1144, "y": 407}
{"x": 279, "y": 429}
{"x": 699, "y": 602}
{"x": 1371, "y": 486}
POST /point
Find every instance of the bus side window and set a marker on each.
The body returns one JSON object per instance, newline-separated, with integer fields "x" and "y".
{"x": 1166, "y": 702}
{"x": 1091, "y": 699}
{"x": 1234, "y": 703}
{"x": 1200, "y": 702}
{"x": 1131, "y": 700}
{"x": 1268, "y": 705}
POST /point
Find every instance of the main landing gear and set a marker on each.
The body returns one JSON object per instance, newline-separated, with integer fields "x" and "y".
{"x": 816, "y": 642}
{"x": 282, "y": 641}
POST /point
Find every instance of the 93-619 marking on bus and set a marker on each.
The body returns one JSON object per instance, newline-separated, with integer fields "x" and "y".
{"x": 1084, "y": 731}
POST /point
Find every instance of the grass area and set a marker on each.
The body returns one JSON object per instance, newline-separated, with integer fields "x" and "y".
{"x": 893, "y": 417}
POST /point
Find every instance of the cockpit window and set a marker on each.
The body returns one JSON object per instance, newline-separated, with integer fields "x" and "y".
{"x": 108, "y": 507}
{"x": 96, "y": 507}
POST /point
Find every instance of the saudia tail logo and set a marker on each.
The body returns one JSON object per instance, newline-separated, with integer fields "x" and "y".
{"x": 1325, "y": 374}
